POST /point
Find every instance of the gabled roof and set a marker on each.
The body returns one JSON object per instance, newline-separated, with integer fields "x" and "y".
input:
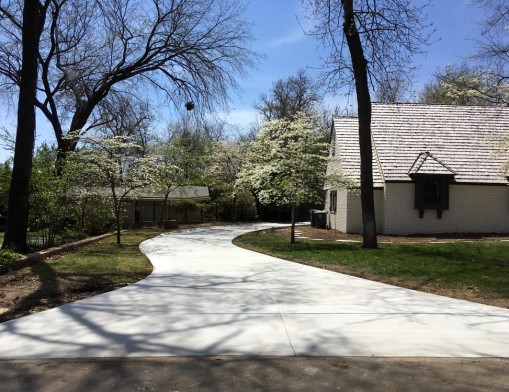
{"x": 462, "y": 140}
{"x": 426, "y": 163}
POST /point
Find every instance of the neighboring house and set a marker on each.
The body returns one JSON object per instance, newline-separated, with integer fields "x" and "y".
{"x": 183, "y": 205}
{"x": 436, "y": 168}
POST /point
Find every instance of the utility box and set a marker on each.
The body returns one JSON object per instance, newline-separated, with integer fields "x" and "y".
{"x": 320, "y": 218}
{"x": 312, "y": 217}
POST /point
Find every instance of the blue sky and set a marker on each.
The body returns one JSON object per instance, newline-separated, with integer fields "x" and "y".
{"x": 286, "y": 49}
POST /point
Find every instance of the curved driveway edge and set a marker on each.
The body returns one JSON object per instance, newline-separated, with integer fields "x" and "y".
{"x": 209, "y": 297}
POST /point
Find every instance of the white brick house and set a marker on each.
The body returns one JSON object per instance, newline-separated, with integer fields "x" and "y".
{"x": 437, "y": 169}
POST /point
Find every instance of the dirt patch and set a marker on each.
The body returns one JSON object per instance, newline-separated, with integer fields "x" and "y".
{"x": 24, "y": 292}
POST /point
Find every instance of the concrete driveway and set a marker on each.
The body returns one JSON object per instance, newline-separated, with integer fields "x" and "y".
{"x": 208, "y": 297}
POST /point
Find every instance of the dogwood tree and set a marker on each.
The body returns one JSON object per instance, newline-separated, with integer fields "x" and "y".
{"x": 113, "y": 163}
{"x": 224, "y": 164}
{"x": 465, "y": 85}
{"x": 286, "y": 164}
{"x": 169, "y": 176}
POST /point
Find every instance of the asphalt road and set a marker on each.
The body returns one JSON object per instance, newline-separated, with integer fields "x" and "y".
{"x": 290, "y": 374}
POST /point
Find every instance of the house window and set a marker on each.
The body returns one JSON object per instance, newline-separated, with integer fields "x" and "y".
{"x": 333, "y": 201}
{"x": 432, "y": 193}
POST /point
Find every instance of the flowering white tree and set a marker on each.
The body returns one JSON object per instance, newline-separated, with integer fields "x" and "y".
{"x": 114, "y": 163}
{"x": 226, "y": 161}
{"x": 286, "y": 164}
{"x": 169, "y": 176}
{"x": 466, "y": 85}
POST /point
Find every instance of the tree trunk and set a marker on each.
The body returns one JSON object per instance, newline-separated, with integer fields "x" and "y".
{"x": 116, "y": 206}
{"x": 234, "y": 209}
{"x": 163, "y": 210}
{"x": 292, "y": 232}
{"x": 117, "y": 223}
{"x": 17, "y": 215}
{"x": 359, "y": 63}
{"x": 64, "y": 147}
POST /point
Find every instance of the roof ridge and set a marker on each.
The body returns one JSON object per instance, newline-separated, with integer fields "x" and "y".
{"x": 441, "y": 105}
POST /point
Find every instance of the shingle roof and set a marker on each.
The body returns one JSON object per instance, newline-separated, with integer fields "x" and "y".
{"x": 464, "y": 140}
{"x": 348, "y": 152}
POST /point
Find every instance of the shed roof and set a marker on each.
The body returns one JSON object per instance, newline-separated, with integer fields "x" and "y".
{"x": 184, "y": 192}
{"x": 462, "y": 140}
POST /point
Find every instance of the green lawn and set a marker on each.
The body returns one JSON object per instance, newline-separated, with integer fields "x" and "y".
{"x": 473, "y": 270}
{"x": 107, "y": 261}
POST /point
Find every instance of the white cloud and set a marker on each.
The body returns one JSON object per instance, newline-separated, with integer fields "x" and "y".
{"x": 289, "y": 39}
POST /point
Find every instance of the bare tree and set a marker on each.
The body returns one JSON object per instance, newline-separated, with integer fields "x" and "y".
{"x": 392, "y": 90}
{"x": 494, "y": 46}
{"x": 29, "y": 27}
{"x": 370, "y": 41}
{"x": 482, "y": 79}
{"x": 288, "y": 97}
{"x": 132, "y": 118}
{"x": 191, "y": 50}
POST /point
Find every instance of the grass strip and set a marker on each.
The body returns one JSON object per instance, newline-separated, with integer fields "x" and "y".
{"x": 105, "y": 260}
{"x": 476, "y": 271}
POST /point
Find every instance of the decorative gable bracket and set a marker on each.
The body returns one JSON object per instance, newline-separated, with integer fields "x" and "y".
{"x": 432, "y": 178}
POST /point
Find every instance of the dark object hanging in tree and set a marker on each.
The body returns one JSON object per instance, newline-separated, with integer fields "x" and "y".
{"x": 190, "y": 105}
